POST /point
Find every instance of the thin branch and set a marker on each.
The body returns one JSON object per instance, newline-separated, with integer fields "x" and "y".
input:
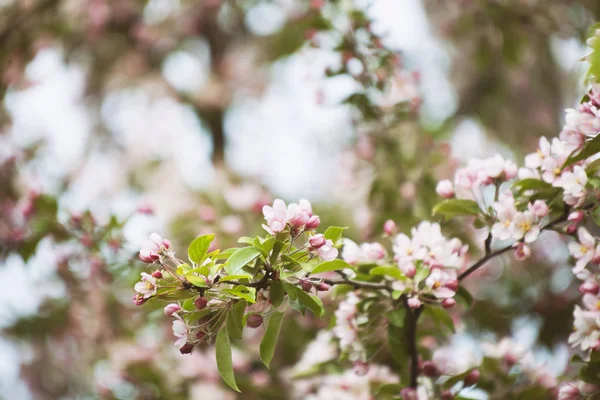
{"x": 358, "y": 284}
{"x": 412, "y": 317}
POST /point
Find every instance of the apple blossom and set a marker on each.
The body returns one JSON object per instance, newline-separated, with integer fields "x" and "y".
{"x": 171, "y": 309}
{"x": 445, "y": 189}
{"x": 276, "y": 217}
{"x": 146, "y": 287}
{"x": 583, "y": 250}
{"x": 180, "y": 330}
{"x": 389, "y": 227}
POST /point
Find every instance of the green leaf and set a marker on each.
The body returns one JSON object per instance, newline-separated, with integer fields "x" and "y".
{"x": 275, "y": 252}
{"x": 463, "y": 296}
{"x": 224, "y": 363}
{"x": 276, "y": 293}
{"x": 398, "y": 351}
{"x": 389, "y": 388}
{"x": 313, "y": 303}
{"x": 246, "y": 240}
{"x": 196, "y": 280}
{"x": 235, "y": 318}
{"x": 232, "y": 278}
{"x": 440, "y": 317}
{"x": 267, "y": 345}
{"x": 198, "y": 250}
{"x": 243, "y": 292}
{"x": 397, "y": 317}
{"x": 240, "y": 258}
{"x": 333, "y": 265}
{"x": 334, "y": 233}
{"x": 589, "y": 149}
{"x": 531, "y": 184}
{"x": 421, "y": 274}
{"x": 183, "y": 269}
{"x": 456, "y": 208}
{"x": 392, "y": 272}
{"x": 290, "y": 290}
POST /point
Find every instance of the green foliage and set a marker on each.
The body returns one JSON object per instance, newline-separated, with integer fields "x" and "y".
{"x": 269, "y": 341}
{"x": 456, "y": 208}
{"x": 240, "y": 258}
{"x": 335, "y": 233}
{"x": 328, "y": 266}
{"x": 198, "y": 249}
{"x": 235, "y": 319}
{"x": 224, "y": 362}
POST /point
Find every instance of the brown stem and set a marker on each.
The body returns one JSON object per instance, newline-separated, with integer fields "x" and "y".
{"x": 412, "y": 317}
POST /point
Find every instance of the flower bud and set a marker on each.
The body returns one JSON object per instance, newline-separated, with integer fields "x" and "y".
{"x": 539, "y": 208}
{"x": 472, "y": 378}
{"x": 313, "y": 222}
{"x": 408, "y": 394}
{"x": 138, "y": 300}
{"x": 323, "y": 287}
{"x": 171, "y": 309}
{"x": 148, "y": 256}
{"x": 576, "y": 216}
{"x": 409, "y": 270}
{"x": 305, "y": 285}
{"x": 145, "y": 209}
{"x": 522, "y": 252}
{"x": 186, "y": 348}
{"x": 446, "y": 395}
{"x": 317, "y": 241}
{"x": 445, "y": 189}
{"x": 448, "y": 303}
{"x": 166, "y": 244}
{"x": 414, "y": 302}
{"x": 157, "y": 274}
{"x": 201, "y": 303}
{"x": 389, "y": 227}
{"x": 590, "y": 287}
{"x": 452, "y": 284}
{"x": 361, "y": 368}
{"x": 571, "y": 229}
{"x": 510, "y": 170}
{"x": 254, "y": 321}
{"x": 429, "y": 369}
{"x": 200, "y": 335}
{"x": 568, "y": 391}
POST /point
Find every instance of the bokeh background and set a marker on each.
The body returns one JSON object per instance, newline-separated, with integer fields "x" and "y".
{"x": 124, "y": 117}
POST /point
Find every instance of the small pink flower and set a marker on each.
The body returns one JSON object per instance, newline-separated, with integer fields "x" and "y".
{"x": 327, "y": 252}
{"x": 313, "y": 222}
{"x": 445, "y": 189}
{"x": 276, "y": 217}
{"x": 389, "y": 227}
{"x": 576, "y": 216}
{"x": 154, "y": 247}
{"x": 171, "y": 309}
{"x": 146, "y": 287}
{"x": 522, "y": 252}
{"x": 317, "y": 241}
{"x": 539, "y": 208}
{"x": 414, "y": 302}
{"x": 180, "y": 330}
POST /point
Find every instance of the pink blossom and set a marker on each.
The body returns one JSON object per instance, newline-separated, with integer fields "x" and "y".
{"x": 414, "y": 302}
{"x": 445, "y": 189}
{"x": 276, "y": 217}
{"x": 539, "y": 208}
{"x": 146, "y": 287}
{"x": 180, "y": 330}
{"x": 154, "y": 248}
{"x": 522, "y": 252}
{"x": 171, "y": 309}
{"x": 583, "y": 250}
{"x": 389, "y": 227}
{"x": 313, "y": 222}
{"x": 317, "y": 241}
{"x": 327, "y": 252}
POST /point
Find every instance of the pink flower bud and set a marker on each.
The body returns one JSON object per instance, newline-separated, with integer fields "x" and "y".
{"x": 361, "y": 368}
{"x": 429, "y": 369}
{"x": 157, "y": 274}
{"x": 522, "y": 252}
{"x": 200, "y": 335}
{"x": 510, "y": 170}
{"x": 409, "y": 270}
{"x": 446, "y": 395}
{"x": 186, "y": 348}
{"x": 576, "y": 216}
{"x": 445, "y": 189}
{"x": 568, "y": 391}
{"x": 571, "y": 229}
{"x": 171, "y": 309}
{"x": 590, "y": 287}
{"x": 254, "y": 321}
{"x": 138, "y": 300}
{"x": 201, "y": 303}
{"x": 305, "y": 285}
{"x": 472, "y": 378}
{"x": 414, "y": 302}
{"x": 452, "y": 284}
{"x": 313, "y": 222}
{"x": 448, "y": 303}
{"x": 166, "y": 243}
{"x": 408, "y": 394}
{"x": 148, "y": 256}
{"x": 389, "y": 227}
{"x": 145, "y": 208}
{"x": 317, "y": 241}
{"x": 539, "y": 208}
{"x": 323, "y": 287}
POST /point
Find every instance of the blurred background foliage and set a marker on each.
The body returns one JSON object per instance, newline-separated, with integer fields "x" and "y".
{"x": 371, "y": 131}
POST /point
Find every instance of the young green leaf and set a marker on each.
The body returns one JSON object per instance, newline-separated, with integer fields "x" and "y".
{"x": 276, "y": 293}
{"x": 589, "y": 149}
{"x": 267, "y": 345}
{"x": 196, "y": 280}
{"x": 183, "y": 269}
{"x": 397, "y": 317}
{"x": 240, "y": 258}
{"x": 198, "y": 250}
{"x": 290, "y": 290}
{"x": 313, "y": 303}
{"x": 392, "y": 272}
{"x": 328, "y": 266}
{"x": 235, "y": 318}
{"x": 334, "y": 233}
{"x": 224, "y": 363}
{"x": 456, "y": 208}
{"x": 243, "y": 292}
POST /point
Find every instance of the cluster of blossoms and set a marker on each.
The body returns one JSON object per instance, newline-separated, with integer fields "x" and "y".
{"x": 579, "y": 390}
{"x": 366, "y": 253}
{"x": 347, "y": 322}
{"x": 430, "y": 262}
{"x": 296, "y": 216}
